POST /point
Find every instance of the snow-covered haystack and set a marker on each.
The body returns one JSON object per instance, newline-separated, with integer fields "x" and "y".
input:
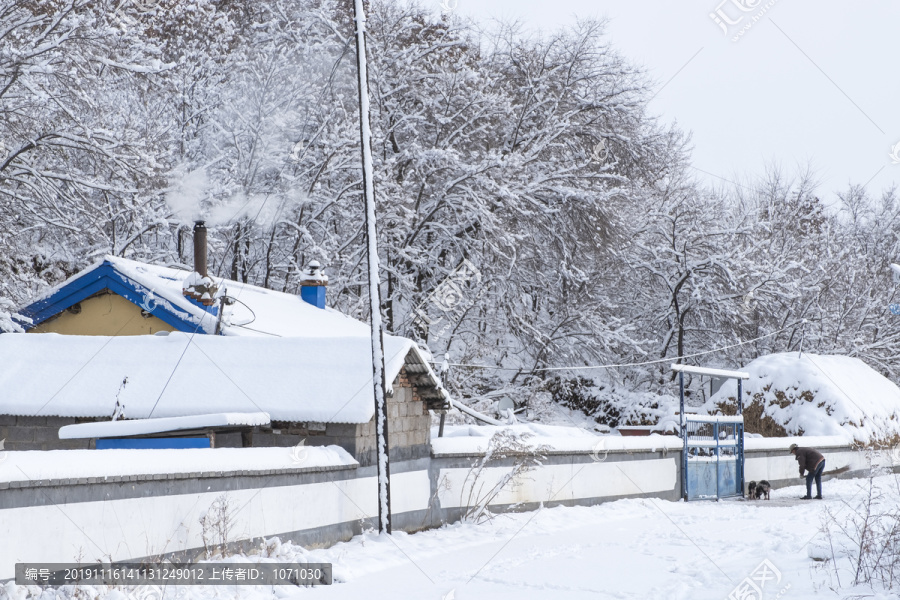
{"x": 810, "y": 394}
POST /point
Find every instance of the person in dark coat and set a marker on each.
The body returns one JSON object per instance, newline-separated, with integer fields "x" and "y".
{"x": 811, "y": 461}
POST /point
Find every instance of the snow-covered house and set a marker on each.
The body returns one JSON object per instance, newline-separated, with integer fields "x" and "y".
{"x": 117, "y": 296}
{"x": 306, "y": 366}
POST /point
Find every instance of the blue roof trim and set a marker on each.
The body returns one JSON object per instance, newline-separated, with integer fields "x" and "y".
{"x": 103, "y": 277}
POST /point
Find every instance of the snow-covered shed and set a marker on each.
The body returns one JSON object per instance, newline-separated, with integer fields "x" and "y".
{"x": 117, "y": 296}
{"x": 307, "y": 366}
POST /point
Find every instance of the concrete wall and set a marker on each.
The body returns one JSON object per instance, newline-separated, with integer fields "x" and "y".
{"x": 119, "y": 518}
{"x": 140, "y": 516}
{"x": 779, "y": 467}
{"x": 105, "y": 313}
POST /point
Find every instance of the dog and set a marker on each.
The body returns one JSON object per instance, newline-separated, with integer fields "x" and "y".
{"x": 756, "y": 491}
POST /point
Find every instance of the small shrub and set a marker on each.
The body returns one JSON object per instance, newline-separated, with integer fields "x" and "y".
{"x": 502, "y": 445}
{"x": 868, "y": 536}
{"x": 217, "y": 523}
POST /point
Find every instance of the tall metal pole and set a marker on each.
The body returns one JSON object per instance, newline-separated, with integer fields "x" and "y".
{"x": 683, "y": 434}
{"x": 740, "y": 409}
{"x": 378, "y": 377}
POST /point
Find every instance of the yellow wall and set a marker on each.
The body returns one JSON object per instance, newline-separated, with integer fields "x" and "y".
{"x": 104, "y": 314}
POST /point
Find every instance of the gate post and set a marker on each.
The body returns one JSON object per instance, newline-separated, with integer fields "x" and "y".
{"x": 740, "y": 408}
{"x": 716, "y": 436}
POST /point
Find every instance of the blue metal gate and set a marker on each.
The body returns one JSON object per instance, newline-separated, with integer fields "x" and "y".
{"x": 713, "y": 457}
{"x": 712, "y": 462}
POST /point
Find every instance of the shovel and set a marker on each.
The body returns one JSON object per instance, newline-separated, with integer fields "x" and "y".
{"x": 843, "y": 469}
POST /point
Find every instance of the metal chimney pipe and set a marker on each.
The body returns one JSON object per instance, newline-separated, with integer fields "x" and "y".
{"x": 200, "y": 248}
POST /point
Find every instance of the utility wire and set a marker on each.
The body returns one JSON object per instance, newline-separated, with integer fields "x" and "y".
{"x": 637, "y": 364}
{"x": 175, "y": 368}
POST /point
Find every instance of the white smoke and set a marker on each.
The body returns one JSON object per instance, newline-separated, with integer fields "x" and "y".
{"x": 192, "y": 196}
{"x": 186, "y": 194}
{"x": 261, "y": 209}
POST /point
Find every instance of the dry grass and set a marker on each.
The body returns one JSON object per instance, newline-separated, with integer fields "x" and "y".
{"x": 755, "y": 419}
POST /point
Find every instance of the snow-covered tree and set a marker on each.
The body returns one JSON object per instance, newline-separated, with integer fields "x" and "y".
{"x": 532, "y": 214}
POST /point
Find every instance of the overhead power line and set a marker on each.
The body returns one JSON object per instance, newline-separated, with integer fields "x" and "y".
{"x": 636, "y": 364}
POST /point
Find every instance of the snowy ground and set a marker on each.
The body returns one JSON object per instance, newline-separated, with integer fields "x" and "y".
{"x": 626, "y": 549}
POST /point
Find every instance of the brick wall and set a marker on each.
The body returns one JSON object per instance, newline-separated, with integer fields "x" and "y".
{"x": 409, "y": 423}
{"x": 38, "y": 433}
{"x": 409, "y": 426}
{"x": 409, "y": 430}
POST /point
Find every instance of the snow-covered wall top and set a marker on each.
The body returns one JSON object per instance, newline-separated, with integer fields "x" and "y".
{"x": 821, "y": 395}
{"x": 474, "y": 440}
{"x": 75, "y": 464}
{"x": 783, "y": 444}
{"x": 292, "y": 379}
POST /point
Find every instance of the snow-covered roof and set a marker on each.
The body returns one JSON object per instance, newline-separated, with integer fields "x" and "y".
{"x": 714, "y": 418}
{"x": 308, "y": 379}
{"x": 710, "y": 372}
{"x": 127, "y": 428}
{"x": 821, "y": 395}
{"x": 258, "y": 312}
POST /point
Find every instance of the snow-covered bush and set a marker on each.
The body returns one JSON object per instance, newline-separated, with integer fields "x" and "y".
{"x": 476, "y": 493}
{"x": 610, "y": 406}
{"x": 863, "y": 545}
{"x": 7, "y": 315}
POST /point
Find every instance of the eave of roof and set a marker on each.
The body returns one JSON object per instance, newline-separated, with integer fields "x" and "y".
{"x": 128, "y": 428}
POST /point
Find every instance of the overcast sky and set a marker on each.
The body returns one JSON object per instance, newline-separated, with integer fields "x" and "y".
{"x": 810, "y": 82}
